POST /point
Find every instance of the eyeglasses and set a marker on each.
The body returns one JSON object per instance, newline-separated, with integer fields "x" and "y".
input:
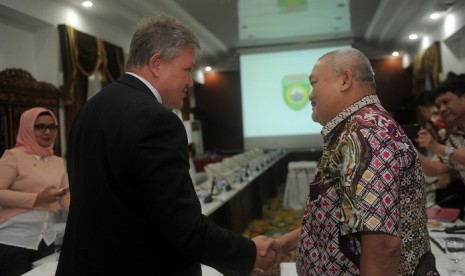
{"x": 44, "y": 127}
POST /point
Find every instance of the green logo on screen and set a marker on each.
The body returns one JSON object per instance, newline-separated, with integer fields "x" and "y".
{"x": 296, "y": 90}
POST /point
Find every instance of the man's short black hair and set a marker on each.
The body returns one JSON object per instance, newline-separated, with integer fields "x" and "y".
{"x": 453, "y": 85}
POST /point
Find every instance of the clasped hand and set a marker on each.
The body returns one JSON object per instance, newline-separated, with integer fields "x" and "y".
{"x": 268, "y": 253}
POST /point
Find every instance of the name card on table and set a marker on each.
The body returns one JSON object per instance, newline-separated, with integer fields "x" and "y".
{"x": 443, "y": 214}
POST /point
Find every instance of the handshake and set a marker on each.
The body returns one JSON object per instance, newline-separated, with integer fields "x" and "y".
{"x": 269, "y": 253}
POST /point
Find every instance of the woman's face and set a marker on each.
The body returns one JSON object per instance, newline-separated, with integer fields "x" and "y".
{"x": 45, "y": 131}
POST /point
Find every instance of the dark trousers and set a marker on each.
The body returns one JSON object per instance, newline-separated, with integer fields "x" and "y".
{"x": 15, "y": 261}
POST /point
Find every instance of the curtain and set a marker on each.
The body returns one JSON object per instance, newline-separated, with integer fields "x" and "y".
{"x": 83, "y": 55}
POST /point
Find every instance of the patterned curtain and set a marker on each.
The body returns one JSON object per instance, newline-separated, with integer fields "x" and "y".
{"x": 83, "y": 55}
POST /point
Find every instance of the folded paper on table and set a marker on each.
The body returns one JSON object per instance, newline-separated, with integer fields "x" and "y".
{"x": 443, "y": 214}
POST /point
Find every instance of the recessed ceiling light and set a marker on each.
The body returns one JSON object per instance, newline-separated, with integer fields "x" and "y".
{"x": 413, "y": 36}
{"x": 87, "y": 4}
{"x": 395, "y": 54}
{"x": 434, "y": 15}
{"x": 208, "y": 69}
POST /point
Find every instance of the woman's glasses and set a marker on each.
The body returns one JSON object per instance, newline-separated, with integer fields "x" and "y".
{"x": 44, "y": 127}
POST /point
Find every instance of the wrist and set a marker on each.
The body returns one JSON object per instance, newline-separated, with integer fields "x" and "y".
{"x": 448, "y": 151}
{"x": 438, "y": 149}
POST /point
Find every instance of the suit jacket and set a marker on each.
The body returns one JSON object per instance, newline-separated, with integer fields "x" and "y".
{"x": 133, "y": 209}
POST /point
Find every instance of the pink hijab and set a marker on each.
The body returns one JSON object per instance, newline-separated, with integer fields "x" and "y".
{"x": 26, "y": 140}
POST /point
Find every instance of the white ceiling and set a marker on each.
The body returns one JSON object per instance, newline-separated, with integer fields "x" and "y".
{"x": 229, "y": 27}
{"x": 377, "y": 27}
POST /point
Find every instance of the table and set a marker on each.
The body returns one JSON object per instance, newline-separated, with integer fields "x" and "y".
{"x": 443, "y": 263}
{"x": 299, "y": 176}
{"x": 234, "y": 209}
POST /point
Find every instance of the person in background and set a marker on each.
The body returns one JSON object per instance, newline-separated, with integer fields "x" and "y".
{"x": 449, "y": 98}
{"x": 447, "y": 184}
{"x": 33, "y": 184}
{"x": 366, "y": 211}
{"x": 134, "y": 209}
{"x": 429, "y": 116}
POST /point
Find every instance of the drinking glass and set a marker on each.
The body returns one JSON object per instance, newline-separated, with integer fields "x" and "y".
{"x": 455, "y": 250}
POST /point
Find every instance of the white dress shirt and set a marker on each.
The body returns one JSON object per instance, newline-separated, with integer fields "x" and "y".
{"x": 154, "y": 91}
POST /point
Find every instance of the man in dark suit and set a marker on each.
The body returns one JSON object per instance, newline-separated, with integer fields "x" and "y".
{"x": 134, "y": 209}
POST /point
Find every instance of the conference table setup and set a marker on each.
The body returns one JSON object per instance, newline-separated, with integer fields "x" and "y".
{"x": 240, "y": 185}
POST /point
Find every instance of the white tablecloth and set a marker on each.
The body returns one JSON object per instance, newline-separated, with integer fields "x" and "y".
{"x": 299, "y": 176}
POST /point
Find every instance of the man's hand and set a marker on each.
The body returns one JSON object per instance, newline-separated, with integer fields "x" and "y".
{"x": 268, "y": 253}
{"x": 427, "y": 141}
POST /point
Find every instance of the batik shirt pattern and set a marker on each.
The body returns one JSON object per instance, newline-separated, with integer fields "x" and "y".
{"x": 456, "y": 139}
{"x": 368, "y": 179}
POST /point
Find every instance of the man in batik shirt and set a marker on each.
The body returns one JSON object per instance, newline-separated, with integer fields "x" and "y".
{"x": 365, "y": 214}
{"x": 450, "y": 100}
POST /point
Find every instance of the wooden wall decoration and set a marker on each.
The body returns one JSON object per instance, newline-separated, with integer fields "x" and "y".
{"x": 19, "y": 91}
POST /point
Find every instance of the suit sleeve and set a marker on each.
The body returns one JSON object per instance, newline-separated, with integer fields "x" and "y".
{"x": 161, "y": 168}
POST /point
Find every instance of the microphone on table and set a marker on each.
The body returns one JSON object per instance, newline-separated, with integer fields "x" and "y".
{"x": 447, "y": 198}
{"x": 227, "y": 187}
{"x": 209, "y": 197}
{"x": 224, "y": 185}
{"x": 456, "y": 229}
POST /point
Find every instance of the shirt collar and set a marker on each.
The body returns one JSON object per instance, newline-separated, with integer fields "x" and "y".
{"x": 154, "y": 91}
{"x": 38, "y": 157}
{"x": 367, "y": 100}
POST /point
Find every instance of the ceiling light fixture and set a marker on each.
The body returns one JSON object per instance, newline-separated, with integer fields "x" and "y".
{"x": 413, "y": 36}
{"x": 87, "y": 4}
{"x": 434, "y": 15}
{"x": 395, "y": 54}
{"x": 208, "y": 69}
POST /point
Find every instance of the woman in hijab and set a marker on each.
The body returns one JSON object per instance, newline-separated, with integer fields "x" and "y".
{"x": 33, "y": 183}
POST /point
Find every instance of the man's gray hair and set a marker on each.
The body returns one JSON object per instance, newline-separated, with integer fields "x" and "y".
{"x": 162, "y": 34}
{"x": 355, "y": 61}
